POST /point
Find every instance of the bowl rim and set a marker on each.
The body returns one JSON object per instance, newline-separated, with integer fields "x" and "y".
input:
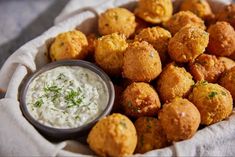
{"x": 79, "y": 63}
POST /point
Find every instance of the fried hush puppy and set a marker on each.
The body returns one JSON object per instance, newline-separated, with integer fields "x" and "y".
{"x": 154, "y": 11}
{"x": 109, "y": 52}
{"x": 158, "y": 38}
{"x": 113, "y": 136}
{"x": 69, "y": 45}
{"x": 221, "y": 39}
{"x": 181, "y": 19}
{"x": 213, "y": 101}
{"x": 228, "y": 63}
{"x": 228, "y": 81}
{"x": 180, "y": 119}
{"x": 227, "y": 14}
{"x": 206, "y": 67}
{"x": 140, "y": 99}
{"x": 174, "y": 82}
{"x": 118, "y": 20}
{"x": 188, "y": 44}
{"x": 150, "y": 135}
{"x": 199, "y": 7}
{"x": 141, "y": 62}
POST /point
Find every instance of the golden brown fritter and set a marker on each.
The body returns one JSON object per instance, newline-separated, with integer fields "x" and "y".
{"x": 188, "y": 44}
{"x": 141, "y": 62}
{"x": 140, "y": 99}
{"x": 150, "y": 135}
{"x": 113, "y": 136}
{"x": 180, "y": 119}
{"x": 199, "y": 7}
{"x": 158, "y": 38}
{"x": 154, "y": 11}
{"x": 213, "y": 101}
{"x": 117, "y": 20}
{"x": 69, "y": 45}
{"x": 181, "y": 19}
{"x": 227, "y": 14}
{"x": 174, "y": 82}
{"x": 109, "y": 52}
{"x": 228, "y": 63}
{"x": 222, "y": 39}
{"x": 206, "y": 67}
{"x": 228, "y": 81}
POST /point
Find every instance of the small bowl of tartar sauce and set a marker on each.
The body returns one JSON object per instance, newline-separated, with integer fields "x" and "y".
{"x": 65, "y": 99}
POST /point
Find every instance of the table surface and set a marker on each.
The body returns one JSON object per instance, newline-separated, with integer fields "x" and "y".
{"x": 23, "y": 20}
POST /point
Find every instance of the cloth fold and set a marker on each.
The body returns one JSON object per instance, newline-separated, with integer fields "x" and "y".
{"x": 19, "y": 138}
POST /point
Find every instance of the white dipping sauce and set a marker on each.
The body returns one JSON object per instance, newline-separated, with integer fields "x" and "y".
{"x": 66, "y": 97}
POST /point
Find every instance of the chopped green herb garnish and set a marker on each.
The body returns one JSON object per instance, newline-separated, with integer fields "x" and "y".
{"x": 212, "y": 94}
{"x": 72, "y": 98}
{"x": 223, "y": 93}
{"x": 38, "y": 103}
{"x": 52, "y": 88}
{"x": 61, "y": 76}
{"x": 123, "y": 124}
{"x": 129, "y": 104}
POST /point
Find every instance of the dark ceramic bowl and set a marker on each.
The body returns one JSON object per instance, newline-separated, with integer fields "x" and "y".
{"x": 57, "y": 133}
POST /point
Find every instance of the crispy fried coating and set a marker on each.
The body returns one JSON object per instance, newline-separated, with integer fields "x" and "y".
{"x": 213, "y": 101}
{"x": 180, "y": 119}
{"x": 188, "y": 44}
{"x": 154, "y": 11}
{"x": 199, "y": 7}
{"x": 206, "y": 67}
{"x": 150, "y": 135}
{"x": 158, "y": 38}
{"x": 174, "y": 82}
{"x": 141, "y": 62}
{"x": 227, "y": 14}
{"x": 181, "y": 19}
{"x": 69, "y": 45}
{"x": 228, "y": 63}
{"x": 228, "y": 81}
{"x": 222, "y": 39}
{"x": 113, "y": 136}
{"x": 109, "y": 52}
{"x": 140, "y": 99}
{"x": 117, "y": 20}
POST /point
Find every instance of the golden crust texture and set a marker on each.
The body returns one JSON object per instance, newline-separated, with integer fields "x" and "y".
{"x": 206, "y": 67}
{"x": 188, "y": 44}
{"x": 117, "y": 20}
{"x": 150, "y": 135}
{"x": 109, "y": 52}
{"x": 174, "y": 82}
{"x": 199, "y": 7}
{"x": 222, "y": 39}
{"x": 158, "y": 38}
{"x": 213, "y": 101}
{"x": 113, "y": 136}
{"x": 180, "y": 119}
{"x": 154, "y": 11}
{"x": 141, "y": 62}
{"x": 228, "y": 63}
{"x": 140, "y": 99}
{"x": 228, "y": 81}
{"x": 69, "y": 45}
{"x": 227, "y": 14}
{"x": 181, "y": 19}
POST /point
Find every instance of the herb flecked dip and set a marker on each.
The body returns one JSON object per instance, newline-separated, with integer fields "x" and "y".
{"x": 66, "y": 97}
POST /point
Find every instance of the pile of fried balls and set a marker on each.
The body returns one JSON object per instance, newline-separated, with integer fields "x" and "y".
{"x": 172, "y": 72}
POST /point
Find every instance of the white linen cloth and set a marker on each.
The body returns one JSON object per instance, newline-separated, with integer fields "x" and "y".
{"x": 19, "y": 138}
